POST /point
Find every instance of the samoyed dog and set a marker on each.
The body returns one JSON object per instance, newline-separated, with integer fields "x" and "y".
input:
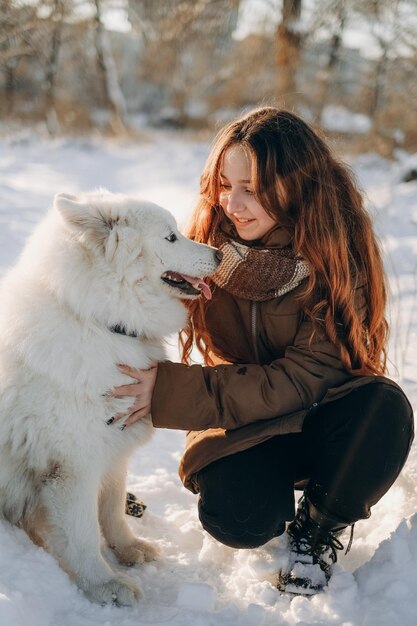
{"x": 99, "y": 283}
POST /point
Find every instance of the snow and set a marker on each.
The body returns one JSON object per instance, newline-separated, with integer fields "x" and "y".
{"x": 198, "y": 596}
{"x": 197, "y": 581}
{"x": 339, "y": 119}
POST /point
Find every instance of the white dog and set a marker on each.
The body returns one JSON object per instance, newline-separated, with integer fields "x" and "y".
{"x": 98, "y": 284}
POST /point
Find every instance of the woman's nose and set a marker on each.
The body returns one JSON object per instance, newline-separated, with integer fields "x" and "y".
{"x": 234, "y": 203}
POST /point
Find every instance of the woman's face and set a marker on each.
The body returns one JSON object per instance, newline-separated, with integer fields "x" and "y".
{"x": 237, "y": 197}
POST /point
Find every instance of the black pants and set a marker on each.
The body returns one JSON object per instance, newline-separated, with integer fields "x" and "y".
{"x": 349, "y": 454}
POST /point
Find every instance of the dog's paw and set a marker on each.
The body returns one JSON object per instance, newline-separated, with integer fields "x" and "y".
{"x": 137, "y": 552}
{"x": 117, "y": 591}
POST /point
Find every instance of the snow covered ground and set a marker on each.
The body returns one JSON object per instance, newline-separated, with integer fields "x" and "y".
{"x": 197, "y": 581}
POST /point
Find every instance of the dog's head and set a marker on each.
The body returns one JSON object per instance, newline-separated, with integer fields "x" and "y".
{"x": 133, "y": 247}
{"x": 138, "y": 238}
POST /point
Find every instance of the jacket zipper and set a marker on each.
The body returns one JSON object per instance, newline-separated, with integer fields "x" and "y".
{"x": 253, "y": 314}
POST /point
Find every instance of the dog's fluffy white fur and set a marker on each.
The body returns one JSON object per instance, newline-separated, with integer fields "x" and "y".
{"x": 93, "y": 263}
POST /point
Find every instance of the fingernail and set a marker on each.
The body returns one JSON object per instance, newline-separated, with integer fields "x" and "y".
{"x": 123, "y": 426}
{"x": 110, "y": 421}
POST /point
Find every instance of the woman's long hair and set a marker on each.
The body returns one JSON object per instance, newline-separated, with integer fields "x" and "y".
{"x": 324, "y": 212}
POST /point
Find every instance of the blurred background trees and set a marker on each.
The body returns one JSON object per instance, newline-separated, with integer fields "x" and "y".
{"x": 117, "y": 65}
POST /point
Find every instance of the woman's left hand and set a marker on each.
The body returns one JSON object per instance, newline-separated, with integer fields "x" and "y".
{"x": 142, "y": 391}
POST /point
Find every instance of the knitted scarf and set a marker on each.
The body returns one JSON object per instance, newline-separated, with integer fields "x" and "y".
{"x": 256, "y": 273}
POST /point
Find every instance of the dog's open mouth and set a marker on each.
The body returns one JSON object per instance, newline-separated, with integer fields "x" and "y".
{"x": 187, "y": 285}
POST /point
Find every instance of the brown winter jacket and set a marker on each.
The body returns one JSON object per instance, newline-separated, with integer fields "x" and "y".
{"x": 274, "y": 378}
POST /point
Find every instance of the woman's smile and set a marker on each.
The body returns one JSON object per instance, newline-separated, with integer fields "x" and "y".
{"x": 237, "y": 197}
{"x": 243, "y": 220}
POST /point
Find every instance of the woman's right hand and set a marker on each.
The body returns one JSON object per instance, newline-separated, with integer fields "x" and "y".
{"x": 141, "y": 391}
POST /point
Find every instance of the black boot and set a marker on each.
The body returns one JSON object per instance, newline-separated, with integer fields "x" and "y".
{"x": 134, "y": 506}
{"x": 313, "y": 542}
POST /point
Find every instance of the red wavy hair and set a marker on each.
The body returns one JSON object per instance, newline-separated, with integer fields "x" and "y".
{"x": 324, "y": 211}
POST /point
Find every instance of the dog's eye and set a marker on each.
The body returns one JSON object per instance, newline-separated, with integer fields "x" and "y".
{"x": 171, "y": 238}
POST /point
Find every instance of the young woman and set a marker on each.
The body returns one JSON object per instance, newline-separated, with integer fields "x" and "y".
{"x": 292, "y": 393}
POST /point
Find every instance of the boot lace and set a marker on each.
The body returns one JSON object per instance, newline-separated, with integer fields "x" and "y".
{"x": 309, "y": 539}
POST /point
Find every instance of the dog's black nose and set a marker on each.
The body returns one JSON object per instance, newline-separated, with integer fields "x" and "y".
{"x": 219, "y": 255}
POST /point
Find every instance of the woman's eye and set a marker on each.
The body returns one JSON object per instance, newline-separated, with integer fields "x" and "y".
{"x": 224, "y": 186}
{"x": 250, "y": 192}
{"x": 171, "y": 238}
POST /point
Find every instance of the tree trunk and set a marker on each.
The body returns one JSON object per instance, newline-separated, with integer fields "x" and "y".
{"x": 114, "y": 98}
{"x": 378, "y": 90}
{"x": 57, "y": 19}
{"x": 288, "y": 40}
{"x": 9, "y": 89}
{"x": 327, "y": 72}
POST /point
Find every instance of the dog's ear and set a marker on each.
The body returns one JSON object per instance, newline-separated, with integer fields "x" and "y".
{"x": 83, "y": 218}
{"x": 121, "y": 246}
{"x": 71, "y": 208}
{"x": 76, "y": 212}
{"x": 112, "y": 245}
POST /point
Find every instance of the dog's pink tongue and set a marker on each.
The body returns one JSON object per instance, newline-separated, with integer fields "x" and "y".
{"x": 198, "y": 283}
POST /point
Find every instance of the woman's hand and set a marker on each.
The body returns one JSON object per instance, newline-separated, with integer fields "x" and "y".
{"x": 142, "y": 391}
